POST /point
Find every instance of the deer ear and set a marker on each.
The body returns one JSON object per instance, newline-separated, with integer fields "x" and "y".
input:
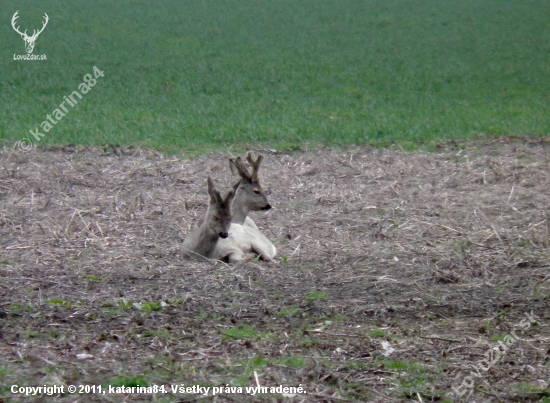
{"x": 229, "y": 196}
{"x": 214, "y": 194}
{"x": 233, "y": 167}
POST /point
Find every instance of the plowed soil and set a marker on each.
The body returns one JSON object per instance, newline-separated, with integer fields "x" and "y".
{"x": 399, "y": 276}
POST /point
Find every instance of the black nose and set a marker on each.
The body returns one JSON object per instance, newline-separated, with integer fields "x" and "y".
{"x": 223, "y": 235}
{"x": 267, "y": 207}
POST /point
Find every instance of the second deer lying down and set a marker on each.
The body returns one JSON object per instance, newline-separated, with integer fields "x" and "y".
{"x": 201, "y": 243}
{"x": 245, "y": 240}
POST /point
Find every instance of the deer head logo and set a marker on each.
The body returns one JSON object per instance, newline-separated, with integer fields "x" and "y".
{"x": 29, "y": 40}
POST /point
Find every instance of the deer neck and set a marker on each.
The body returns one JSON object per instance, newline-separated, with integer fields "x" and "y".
{"x": 207, "y": 240}
{"x": 239, "y": 210}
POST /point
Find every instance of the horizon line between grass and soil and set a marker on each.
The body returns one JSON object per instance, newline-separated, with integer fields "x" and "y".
{"x": 432, "y": 145}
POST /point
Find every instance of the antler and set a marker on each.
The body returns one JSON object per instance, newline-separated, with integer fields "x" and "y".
{"x": 237, "y": 163}
{"x": 255, "y": 166}
{"x": 15, "y": 16}
{"x": 24, "y": 34}
{"x": 46, "y": 19}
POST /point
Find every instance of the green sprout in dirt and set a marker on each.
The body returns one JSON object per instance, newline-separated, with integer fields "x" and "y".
{"x": 535, "y": 391}
{"x": 31, "y": 334}
{"x": 240, "y": 332}
{"x": 316, "y": 296}
{"x": 334, "y": 318}
{"x": 261, "y": 361}
{"x": 306, "y": 341}
{"x": 412, "y": 378}
{"x": 294, "y": 362}
{"x": 377, "y": 334}
{"x": 249, "y": 366}
{"x": 486, "y": 327}
{"x": 201, "y": 315}
{"x": 500, "y": 337}
{"x": 284, "y": 261}
{"x": 160, "y": 333}
{"x": 148, "y": 306}
{"x": 168, "y": 302}
{"x": 60, "y": 302}
{"x": 95, "y": 278}
{"x": 17, "y": 308}
{"x": 288, "y": 311}
{"x": 124, "y": 304}
{"x": 357, "y": 365}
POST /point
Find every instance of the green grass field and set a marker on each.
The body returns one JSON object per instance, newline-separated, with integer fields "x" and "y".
{"x": 210, "y": 74}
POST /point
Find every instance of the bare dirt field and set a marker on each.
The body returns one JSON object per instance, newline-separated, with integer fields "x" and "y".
{"x": 399, "y": 276}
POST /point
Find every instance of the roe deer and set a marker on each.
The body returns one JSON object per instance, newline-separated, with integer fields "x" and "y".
{"x": 202, "y": 241}
{"x": 249, "y": 195}
{"x": 245, "y": 240}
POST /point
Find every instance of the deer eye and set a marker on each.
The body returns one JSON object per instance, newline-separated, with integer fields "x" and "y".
{"x": 257, "y": 191}
{"x": 215, "y": 218}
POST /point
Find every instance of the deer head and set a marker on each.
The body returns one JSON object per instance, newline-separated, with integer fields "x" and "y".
{"x": 218, "y": 217}
{"x": 249, "y": 194}
{"x": 201, "y": 242}
{"x": 29, "y": 40}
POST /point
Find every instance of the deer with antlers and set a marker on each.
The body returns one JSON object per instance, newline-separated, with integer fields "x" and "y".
{"x": 201, "y": 242}
{"x": 29, "y": 40}
{"x": 249, "y": 195}
{"x": 245, "y": 240}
